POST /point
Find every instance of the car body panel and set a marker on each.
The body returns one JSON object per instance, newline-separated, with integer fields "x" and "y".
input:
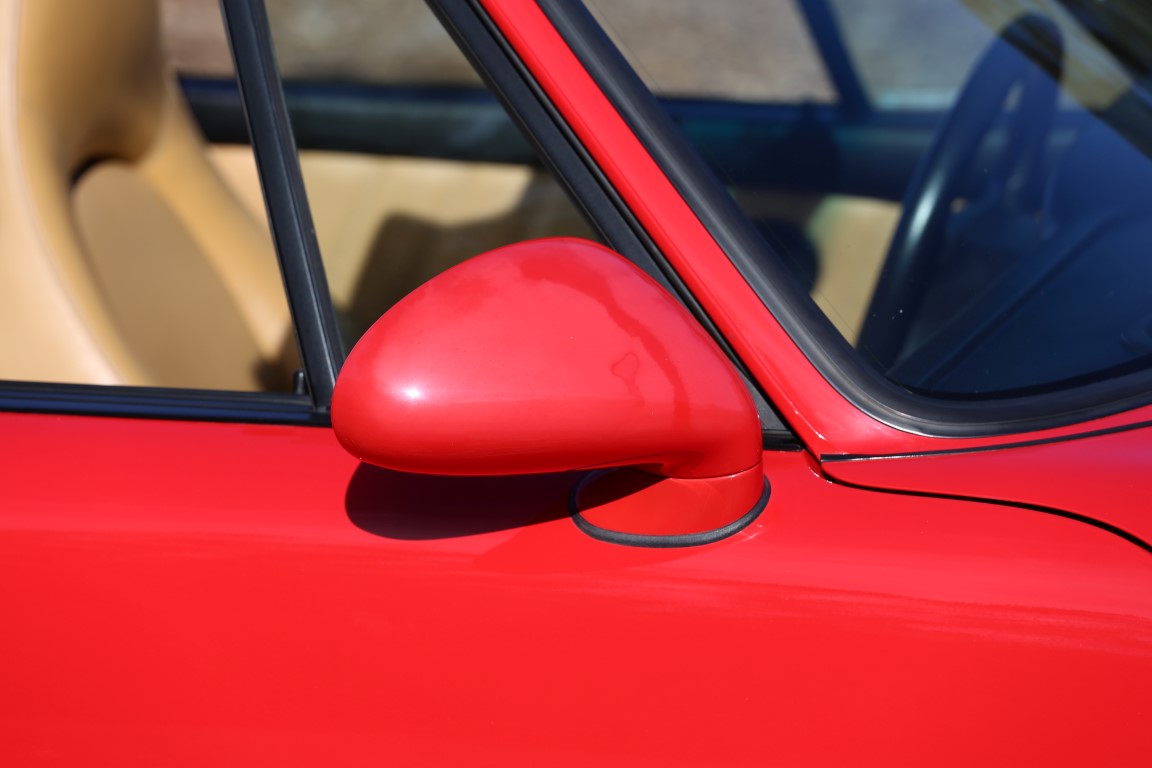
{"x": 237, "y": 593}
{"x": 1103, "y": 476}
{"x": 191, "y": 592}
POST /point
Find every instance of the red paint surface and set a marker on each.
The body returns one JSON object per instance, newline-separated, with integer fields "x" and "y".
{"x": 546, "y": 356}
{"x": 183, "y": 593}
{"x": 1105, "y": 477}
{"x": 631, "y": 501}
{"x": 190, "y": 593}
{"x": 821, "y": 417}
{"x": 551, "y": 356}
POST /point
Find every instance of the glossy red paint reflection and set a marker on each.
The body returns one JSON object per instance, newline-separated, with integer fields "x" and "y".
{"x": 544, "y": 356}
{"x": 1104, "y": 477}
{"x": 229, "y": 594}
{"x": 629, "y": 501}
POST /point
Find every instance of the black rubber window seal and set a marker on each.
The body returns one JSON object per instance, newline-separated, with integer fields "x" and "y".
{"x": 159, "y": 403}
{"x": 289, "y": 217}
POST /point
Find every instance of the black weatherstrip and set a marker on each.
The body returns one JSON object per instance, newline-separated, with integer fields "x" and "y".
{"x": 288, "y": 213}
{"x": 159, "y": 403}
{"x": 843, "y": 457}
{"x": 672, "y": 541}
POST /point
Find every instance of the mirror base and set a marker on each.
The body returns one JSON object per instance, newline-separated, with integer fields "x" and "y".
{"x": 636, "y": 508}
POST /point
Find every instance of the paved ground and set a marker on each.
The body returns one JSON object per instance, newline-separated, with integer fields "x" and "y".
{"x": 756, "y": 49}
{"x": 399, "y": 40}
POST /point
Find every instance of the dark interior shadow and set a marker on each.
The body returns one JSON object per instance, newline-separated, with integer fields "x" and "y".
{"x": 277, "y": 374}
{"x": 399, "y": 505}
{"x": 794, "y": 246}
{"x": 408, "y": 251}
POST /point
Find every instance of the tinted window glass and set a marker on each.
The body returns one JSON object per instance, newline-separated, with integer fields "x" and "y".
{"x": 975, "y": 236}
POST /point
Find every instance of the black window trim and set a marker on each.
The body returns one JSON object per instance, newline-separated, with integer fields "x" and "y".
{"x": 159, "y": 403}
{"x": 828, "y": 351}
{"x": 282, "y": 181}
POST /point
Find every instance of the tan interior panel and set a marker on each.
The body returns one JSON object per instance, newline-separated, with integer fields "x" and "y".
{"x": 83, "y": 85}
{"x": 851, "y": 235}
{"x": 164, "y": 300}
{"x": 236, "y": 165}
{"x": 413, "y": 218}
{"x": 388, "y": 224}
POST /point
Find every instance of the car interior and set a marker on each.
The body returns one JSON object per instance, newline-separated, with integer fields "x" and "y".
{"x": 138, "y": 250}
{"x": 128, "y": 259}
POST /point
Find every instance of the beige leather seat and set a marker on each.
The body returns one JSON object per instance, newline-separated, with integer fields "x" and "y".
{"x": 124, "y": 257}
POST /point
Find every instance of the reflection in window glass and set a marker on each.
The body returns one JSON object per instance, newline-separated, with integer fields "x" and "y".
{"x": 919, "y": 58}
{"x": 752, "y": 51}
{"x": 981, "y": 229}
{"x": 914, "y": 56}
{"x": 380, "y": 41}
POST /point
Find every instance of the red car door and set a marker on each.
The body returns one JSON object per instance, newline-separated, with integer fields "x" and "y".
{"x": 196, "y": 578}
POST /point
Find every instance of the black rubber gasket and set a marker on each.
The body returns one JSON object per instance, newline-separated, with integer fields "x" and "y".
{"x": 290, "y": 218}
{"x": 652, "y": 541}
{"x": 833, "y": 458}
{"x": 159, "y": 403}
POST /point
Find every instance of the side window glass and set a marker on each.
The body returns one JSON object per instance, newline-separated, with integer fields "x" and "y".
{"x": 127, "y": 259}
{"x": 773, "y": 144}
{"x": 976, "y": 231}
{"x": 769, "y": 54}
{"x": 918, "y": 58}
{"x": 410, "y": 165}
{"x": 913, "y": 56}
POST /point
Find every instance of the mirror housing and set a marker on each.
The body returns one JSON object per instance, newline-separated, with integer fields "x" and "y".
{"x": 557, "y": 355}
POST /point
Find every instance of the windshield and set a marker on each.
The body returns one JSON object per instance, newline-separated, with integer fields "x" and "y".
{"x": 966, "y": 200}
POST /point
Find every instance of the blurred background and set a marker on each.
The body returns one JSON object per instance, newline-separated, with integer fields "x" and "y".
{"x": 758, "y": 50}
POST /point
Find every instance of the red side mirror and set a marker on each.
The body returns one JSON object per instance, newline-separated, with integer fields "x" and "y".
{"x": 558, "y": 355}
